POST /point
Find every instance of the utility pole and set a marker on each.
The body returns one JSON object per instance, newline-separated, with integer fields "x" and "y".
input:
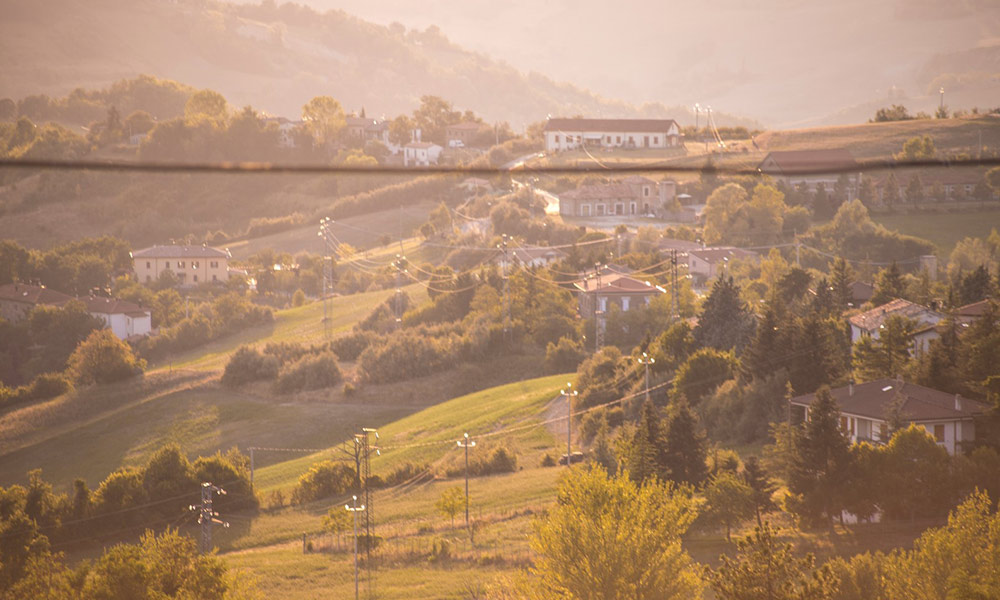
{"x": 598, "y": 313}
{"x": 506, "y": 284}
{"x": 673, "y": 269}
{"x": 207, "y": 516}
{"x": 329, "y": 249}
{"x": 646, "y": 360}
{"x": 466, "y": 443}
{"x": 569, "y": 395}
{"x": 400, "y": 264}
{"x": 355, "y": 510}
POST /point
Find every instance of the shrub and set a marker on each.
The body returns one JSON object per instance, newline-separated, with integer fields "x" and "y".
{"x": 405, "y": 472}
{"x": 286, "y": 352}
{"x": 403, "y": 356}
{"x": 246, "y": 365}
{"x": 42, "y": 387}
{"x": 298, "y": 298}
{"x": 324, "y": 479}
{"x": 548, "y": 460}
{"x": 350, "y": 346}
{"x": 310, "y": 372}
{"x": 103, "y": 358}
{"x": 500, "y": 460}
{"x": 564, "y": 356}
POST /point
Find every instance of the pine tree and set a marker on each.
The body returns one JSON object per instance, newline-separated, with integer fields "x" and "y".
{"x": 822, "y": 462}
{"x": 725, "y": 322}
{"x": 885, "y": 356}
{"x": 889, "y": 285}
{"x": 761, "y": 486}
{"x": 979, "y": 350}
{"x": 684, "y": 451}
{"x": 646, "y": 454}
{"x": 975, "y": 286}
{"x": 938, "y": 367}
{"x": 841, "y": 276}
{"x": 762, "y": 356}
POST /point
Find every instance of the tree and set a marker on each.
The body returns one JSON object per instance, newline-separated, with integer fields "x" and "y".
{"x": 897, "y": 112}
{"x": 890, "y": 190}
{"x": 725, "y": 322}
{"x": 888, "y": 354}
{"x": 976, "y": 285}
{"x": 980, "y": 347}
{"x": 432, "y": 116}
{"x": 207, "y": 104}
{"x": 645, "y": 458}
{"x": 821, "y": 464}
{"x": 917, "y": 148}
{"x": 765, "y": 569}
{"x": 684, "y": 446}
{"x": 608, "y": 538}
{"x": 915, "y": 477}
{"x": 451, "y": 502}
{"x": 914, "y": 190}
{"x": 324, "y": 119}
{"x": 889, "y": 285}
{"x": 729, "y": 501}
{"x": 103, "y": 358}
{"x": 993, "y": 179}
{"x": 761, "y": 488}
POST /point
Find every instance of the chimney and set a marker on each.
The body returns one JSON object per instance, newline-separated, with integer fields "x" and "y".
{"x": 958, "y": 402}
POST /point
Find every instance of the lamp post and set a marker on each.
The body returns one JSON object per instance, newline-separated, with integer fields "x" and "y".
{"x": 355, "y": 510}
{"x": 569, "y": 395}
{"x": 646, "y": 360}
{"x": 466, "y": 443}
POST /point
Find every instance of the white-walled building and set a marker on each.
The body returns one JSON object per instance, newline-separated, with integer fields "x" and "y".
{"x": 421, "y": 154}
{"x": 869, "y": 323}
{"x": 569, "y": 134}
{"x": 125, "y": 319}
{"x": 707, "y": 263}
{"x": 864, "y": 407}
{"x": 191, "y": 264}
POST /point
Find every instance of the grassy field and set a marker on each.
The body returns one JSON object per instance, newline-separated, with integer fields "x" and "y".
{"x": 944, "y": 230}
{"x": 302, "y": 324}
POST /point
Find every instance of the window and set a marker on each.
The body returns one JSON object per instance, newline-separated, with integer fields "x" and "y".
{"x": 214, "y": 264}
{"x": 645, "y": 190}
{"x": 585, "y": 210}
{"x": 214, "y": 278}
{"x": 196, "y": 279}
{"x": 557, "y": 138}
{"x": 632, "y": 208}
{"x": 656, "y": 139}
{"x": 619, "y": 209}
{"x": 180, "y": 264}
{"x": 609, "y": 139}
{"x": 939, "y": 433}
{"x": 148, "y": 265}
{"x": 600, "y": 210}
{"x": 618, "y": 140}
{"x": 883, "y": 432}
{"x": 645, "y": 140}
{"x": 166, "y": 265}
{"x": 194, "y": 264}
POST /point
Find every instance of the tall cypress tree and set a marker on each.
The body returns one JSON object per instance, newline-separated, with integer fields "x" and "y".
{"x": 841, "y": 276}
{"x": 684, "y": 451}
{"x": 646, "y": 455}
{"x": 822, "y": 462}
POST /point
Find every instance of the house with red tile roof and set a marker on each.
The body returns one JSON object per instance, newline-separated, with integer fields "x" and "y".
{"x": 125, "y": 319}
{"x": 865, "y": 410}
{"x": 602, "y": 291}
{"x": 569, "y": 134}
{"x": 191, "y": 264}
{"x": 870, "y": 322}
{"x": 795, "y": 167}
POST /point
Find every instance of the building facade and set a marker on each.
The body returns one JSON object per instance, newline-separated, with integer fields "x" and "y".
{"x": 570, "y": 134}
{"x": 632, "y": 196}
{"x": 192, "y": 265}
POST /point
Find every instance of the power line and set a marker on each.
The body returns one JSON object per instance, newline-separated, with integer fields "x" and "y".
{"x": 267, "y": 168}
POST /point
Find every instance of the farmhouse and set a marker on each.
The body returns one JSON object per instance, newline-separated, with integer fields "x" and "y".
{"x": 568, "y": 134}
{"x": 870, "y": 322}
{"x": 631, "y": 196}
{"x": 707, "y": 263}
{"x": 421, "y": 154}
{"x": 125, "y": 319}
{"x": 460, "y": 134}
{"x": 367, "y": 129}
{"x": 865, "y": 411}
{"x": 600, "y": 292}
{"x": 795, "y": 167}
{"x": 191, "y": 264}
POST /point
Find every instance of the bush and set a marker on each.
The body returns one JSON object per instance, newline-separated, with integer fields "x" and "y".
{"x": 42, "y": 387}
{"x": 403, "y": 356}
{"x": 324, "y": 479}
{"x": 103, "y": 358}
{"x": 246, "y": 365}
{"x": 311, "y": 372}
{"x": 548, "y": 460}
{"x": 500, "y": 460}
{"x": 350, "y": 346}
{"x": 286, "y": 352}
{"x": 404, "y": 472}
{"x": 298, "y": 298}
{"x": 564, "y": 356}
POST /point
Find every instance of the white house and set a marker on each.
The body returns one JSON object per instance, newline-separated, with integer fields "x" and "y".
{"x": 125, "y": 319}
{"x": 191, "y": 264}
{"x": 536, "y": 256}
{"x": 421, "y": 154}
{"x": 707, "y": 263}
{"x": 869, "y": 323}
{"x": 569, "y": 134}
{"x": 865, "y": 409}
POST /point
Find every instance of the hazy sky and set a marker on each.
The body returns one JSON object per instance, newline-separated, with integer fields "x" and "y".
{"x": 779, "y": 60}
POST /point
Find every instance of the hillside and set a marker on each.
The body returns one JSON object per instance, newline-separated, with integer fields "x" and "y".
{"x": 273, "y": 57}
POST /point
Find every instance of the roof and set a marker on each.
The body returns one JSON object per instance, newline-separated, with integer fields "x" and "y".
{"x": 860, "y": 291}
{"x": 617, "y": 284}
{"x": 679, "y": 245}
{"x": 718, "y": 254}
{"x": 421, "y": 145}
{"x": 874, "y": 398}
{"x": 871, "y": 320}
{"x": 113, "y": 306}
{"x": 785, "y": 162}
{"x": 974, "y": 310}
{"x": 628, "y": 188}
{"x": 622, "y": 125}
{"x": 175, "y": 251}
{"x": 32, "y": 294}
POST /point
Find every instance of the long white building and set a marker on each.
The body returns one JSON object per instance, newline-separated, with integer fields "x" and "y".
{"x": 568, "y": 134}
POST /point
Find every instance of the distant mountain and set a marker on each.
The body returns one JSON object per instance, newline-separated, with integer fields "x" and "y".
{"x": 276, "y": 58}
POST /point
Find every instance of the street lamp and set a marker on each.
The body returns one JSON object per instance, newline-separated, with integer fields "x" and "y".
{"x": 355, "y": 510}
{"x": 646, "y": 360}
{"x": 569, "y": 395}
{"x": 467, "y": 443}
